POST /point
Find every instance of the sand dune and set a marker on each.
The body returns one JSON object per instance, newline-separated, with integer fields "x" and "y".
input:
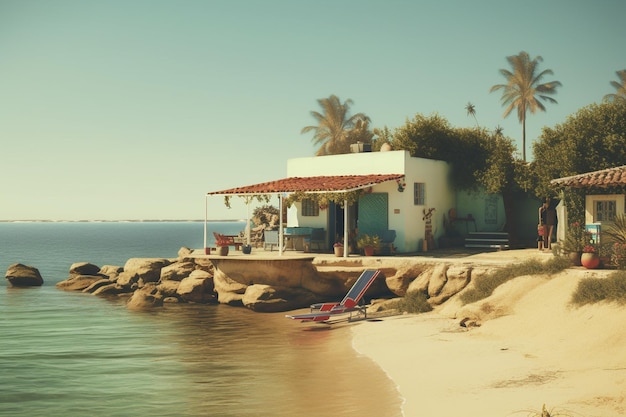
{"x": 532, "y": 348}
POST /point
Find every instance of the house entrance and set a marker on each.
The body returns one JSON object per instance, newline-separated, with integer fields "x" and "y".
{"x": 373, "y": 214}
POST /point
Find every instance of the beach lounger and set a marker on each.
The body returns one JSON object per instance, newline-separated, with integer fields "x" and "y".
{"x": 322, "y": 312}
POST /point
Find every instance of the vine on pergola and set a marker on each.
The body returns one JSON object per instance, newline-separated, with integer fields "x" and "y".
{"x": 323, "y": 199}
{"x": 249, "y": 198}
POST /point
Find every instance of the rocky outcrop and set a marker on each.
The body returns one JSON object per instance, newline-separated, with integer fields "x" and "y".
{"x": 20, "y": 275}
{"x": 265, "y": 285}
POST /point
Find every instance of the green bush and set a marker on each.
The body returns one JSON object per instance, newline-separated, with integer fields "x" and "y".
{"x": 485, "y": 285}
{"x": 414, "y": 302}
{"x": 594, "y": 290}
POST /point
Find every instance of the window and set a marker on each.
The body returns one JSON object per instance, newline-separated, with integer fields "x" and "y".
{"x": 604, "y": 211}
{"x": 419, "y": 193}
{"x": 310, "y": 208}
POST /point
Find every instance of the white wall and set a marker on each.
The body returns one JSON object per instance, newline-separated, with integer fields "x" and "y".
{"x": 404, "y": 216}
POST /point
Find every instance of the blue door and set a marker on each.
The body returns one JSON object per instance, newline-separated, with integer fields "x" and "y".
{"x": 373, "y": 213}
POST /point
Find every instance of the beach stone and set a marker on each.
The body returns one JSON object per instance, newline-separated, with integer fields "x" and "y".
{"x": 147, "y": 269}
{"x": 111, "y": 289}
{"x": 145, "y": 298}
{"x": 224, "y": 284}
{"x": 398, "y": 282}
{"x": 268, "y": 299}
{"x": 127, "y": 279}
{"x": 84, "y": 268}
{"x": 230, "y": 298}
{"x": 78, "y": 282}
{"x": 438, "y": 279}
{"x": 184, "y": 252}
{"x": 457, "y": 279}
{"x": 168, "y": 288}
{"x": 177, "y": 271}
{"x": 197, "y": 288}
{"x": 111, "y": 271}
{"x": 420, "y": 284}
{"x": 20, "y": 275}
{"x": 204, "y": 264}
{"x": 100, "y": 283}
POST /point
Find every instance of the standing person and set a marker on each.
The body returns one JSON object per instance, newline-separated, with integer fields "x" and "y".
{"x": 547, "y": 218}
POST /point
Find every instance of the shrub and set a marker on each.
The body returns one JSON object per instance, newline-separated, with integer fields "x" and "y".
{"x": 414, "y": 302}
{"x": 594, "y": 290}
{"x": 485, "y": 285}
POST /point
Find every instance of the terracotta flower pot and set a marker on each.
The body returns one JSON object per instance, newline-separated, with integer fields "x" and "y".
{"x": 222, "y": 250}
{"x": 368, "y": 250}
{"x": 590, "y": 260}
{"x": 338, "y": 251}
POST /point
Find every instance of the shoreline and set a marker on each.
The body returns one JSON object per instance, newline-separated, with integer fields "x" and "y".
{"x": 532, "y": 349}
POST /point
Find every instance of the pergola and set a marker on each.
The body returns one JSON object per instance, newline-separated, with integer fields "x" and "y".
{"x": 309, "y": 185}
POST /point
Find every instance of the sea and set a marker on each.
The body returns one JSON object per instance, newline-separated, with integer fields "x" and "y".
{"x": 73, "y": 354}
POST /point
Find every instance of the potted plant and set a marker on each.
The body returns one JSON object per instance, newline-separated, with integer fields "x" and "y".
{"x": 369, "y": 244}
{"x": 338, "y": 248}
{"x": 575, "y": 240}
{"x": 589, "y": 258}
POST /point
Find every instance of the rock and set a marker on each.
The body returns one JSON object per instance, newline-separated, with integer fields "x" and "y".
{"x": 184, "y": 252}
{"x": 84, "y": 268}
{"x": 197, "y": 288}
{"x": 145, "y": 298}
{"x": 78, "y": 282}
{"x": 111, "y": 271}
{"x": 127, "y": 279}
{"x": 177, "y": 271}
{"x": 100, "y": 283}
{"x": 268, "y": 299}
{"x": 147, "y": 269}
{"x": 168, "y": 288}
{"x": 111, "y": 289}
{"x": 20, "y": 275}
{"x": 438, "y": 279}
{"x": 230, "y": 298}
{"x": 457, "y": 279}
{"x": 398, "y": 282}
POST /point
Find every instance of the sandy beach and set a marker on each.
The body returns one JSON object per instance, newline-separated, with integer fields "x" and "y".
{"x": 531, "y": 348}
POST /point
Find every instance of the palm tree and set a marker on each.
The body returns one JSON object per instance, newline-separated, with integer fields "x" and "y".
{"x": 619, "y": 86}
{"x": 333, "y": 125}
{"x": 471, "y": 111}
{"x": 524, "y": 90}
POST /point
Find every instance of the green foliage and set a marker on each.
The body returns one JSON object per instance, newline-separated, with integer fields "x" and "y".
{"x": 592, "y": 139}
{"x": 364, "y": 241}
{"x": 263, "y": 214}
{"x": 575, "y": 238}
{"x": 485, "y": 285}
{"x": 594, "y": 290}
{"x": 335, "y": 127}
{"x": 524, "y": 91}
{"x": 414, "y": 302}
{"x": 478, "y": 157}
{"x": 616, "y": 232}
{"x": 324, "y": 198}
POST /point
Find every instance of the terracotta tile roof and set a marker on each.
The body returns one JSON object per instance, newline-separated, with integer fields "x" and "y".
{"x": 327, "y": 183}
{"x": 604, "y": 178}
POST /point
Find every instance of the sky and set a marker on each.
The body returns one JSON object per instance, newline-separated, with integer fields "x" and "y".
{"x": 134, "y": 110}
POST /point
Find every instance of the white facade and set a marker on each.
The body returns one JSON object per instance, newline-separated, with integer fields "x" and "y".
{"x": 405, "y": 214}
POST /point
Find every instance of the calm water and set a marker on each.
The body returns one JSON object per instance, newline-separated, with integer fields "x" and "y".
{"x": 72, "y": 354}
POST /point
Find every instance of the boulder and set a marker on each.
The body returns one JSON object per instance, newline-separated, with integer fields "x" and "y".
{"x": 398, "y": 282}
{"x": 168, "y": 288}
{"x": 177, "y": 271}
{"x": 268, "y": 299}
{"x": 184, "y": 252}
{"x": 438, "y": 279}
{"x": 111, "y": 289}
{"x": 111, "y": 271}
{"x": 457, "y": 279}
{"x": 78, "y": 282}
{"x": 145, "y": 298}
{"x": 147, "y": 269}
{"x": 100, "y": 283}
{"x": 84, "y": 268}
{"x": 127, "y": 279}
{"x": 197, "y": 288}
{"x": 20, "y": 275}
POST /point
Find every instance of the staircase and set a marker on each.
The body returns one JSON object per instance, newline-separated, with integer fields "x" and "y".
{"x": 491, "y": 240}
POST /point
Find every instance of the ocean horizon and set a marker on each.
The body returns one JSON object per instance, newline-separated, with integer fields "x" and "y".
{"x": 74, "y": 354}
